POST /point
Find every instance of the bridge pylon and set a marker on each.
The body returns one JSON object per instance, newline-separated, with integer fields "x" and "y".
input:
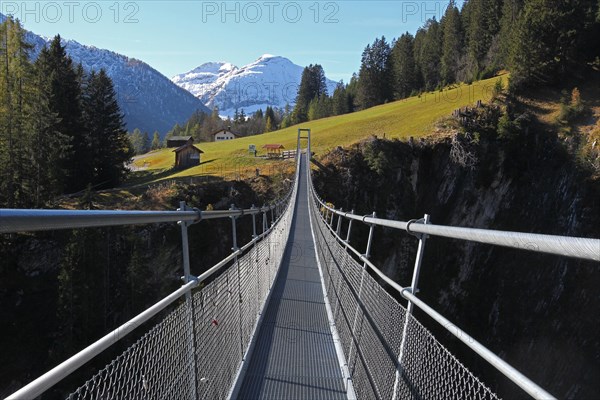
{"x": 306, "y": 132}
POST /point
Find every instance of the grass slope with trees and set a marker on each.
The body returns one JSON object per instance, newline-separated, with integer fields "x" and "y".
{"x": 412, "y": 117}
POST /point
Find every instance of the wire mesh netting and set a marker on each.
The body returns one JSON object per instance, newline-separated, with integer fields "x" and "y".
{"x": 375, "y": 331}
{"x": 197, "y": 349}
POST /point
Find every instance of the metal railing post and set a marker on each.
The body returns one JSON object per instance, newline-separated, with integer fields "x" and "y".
{"x": 235, "y": 249}
{"x": 362, "y": 279}
{"x": 254, "y": 239}
{"x": 413, "y": 289}
{"x": 339, "y": 223}
{"x": 188, "y": 298}
{"x": 272, "y": 216}
{"x": 420, "y": 250}
{"x": 349, "y": 230}
{"x": 369, "y": 241}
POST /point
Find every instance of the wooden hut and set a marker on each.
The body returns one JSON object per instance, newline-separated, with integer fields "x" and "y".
{"x": 187, "y": 156}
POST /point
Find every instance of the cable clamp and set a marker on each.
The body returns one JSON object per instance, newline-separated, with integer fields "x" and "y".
{"x": 419, "y": 236}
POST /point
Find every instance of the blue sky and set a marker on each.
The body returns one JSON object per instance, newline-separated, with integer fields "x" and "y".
{"x": 177, "y": 36}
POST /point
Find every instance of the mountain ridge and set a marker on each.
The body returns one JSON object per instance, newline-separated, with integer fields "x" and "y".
{"x": 148, "y": 99}
{"x": 269, "y": 80}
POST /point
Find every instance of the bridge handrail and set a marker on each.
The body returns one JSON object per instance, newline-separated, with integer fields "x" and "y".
{"x": 577, "y": 247}
{"x": 12, "y": 221}
{"x": 64, "y": 369}
{"x": 510, "y": 372}
{"x": 23, "y": 220}
{"x": 533, "y": 242}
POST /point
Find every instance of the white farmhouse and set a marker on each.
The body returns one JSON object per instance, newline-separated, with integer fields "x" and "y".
{"x": 225, "y": 134}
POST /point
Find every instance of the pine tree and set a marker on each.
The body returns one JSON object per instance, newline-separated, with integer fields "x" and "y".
{"x": 339, "y": 100}
{"x": 14, "y": 73}
{"x": 104, "y": 122}
{"x": 312, "y": 85}
{"x": 352, "y": 93}
{"x": 552, "y": 40}
{"x": 430, "y": 56}
{"x": 417, "y": 50}
{"x": 375, "y": 74}
{"x": 452, "y": 44}
{"x": 510, "y": 14}
{"x": 403, "y": 66}
{"x": 66, "y": 104}
{"x": 156, "y": 141}
{"x": 483, "y": 26}
{"x": 48, "y": 165}
{"x": 146, "y": 141}
{"x": 268, "y": 124}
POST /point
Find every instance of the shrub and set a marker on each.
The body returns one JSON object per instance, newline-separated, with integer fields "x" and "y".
{"x": 571, "y": 108}
{"x": 497, "y": 89}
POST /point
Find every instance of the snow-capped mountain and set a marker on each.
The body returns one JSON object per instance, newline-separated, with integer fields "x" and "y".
{"x": 268, "y": 81}
{"x": 148, "y": 99}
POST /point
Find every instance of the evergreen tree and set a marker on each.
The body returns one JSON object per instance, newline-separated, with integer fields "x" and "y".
{"x": 270, "y": 119}
{"x": 319, "y": 107}
{"x": 156, "y": 141}
{"x": 352, "y": 93}
{"x": 430, "y": 56}
{"x": 339, "y": 100}
{"x": 510, "y": 13}
{"x": 66, "y": 104}
{"x": 104, "y": 122}
{"x": 137, "y": 141}
{"x": 417, "y": 50}
{"x": 48, "y": 165}
{"x": 552, "y": 40}
{"x": 15, "y": 75}
{"x": 268, "y": 124}
{"x": 374, "y": 80}
{"x": 452, "y": 44}
{"x": 146, "y": 142}
{"x": 312, "y": 85}
{"x": 483, "y": 26}
{"x": 403, "y": 66}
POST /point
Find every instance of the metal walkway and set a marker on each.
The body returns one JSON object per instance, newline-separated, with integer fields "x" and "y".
{"x": 294, "y": 356}
{"x": 222, "y": 340}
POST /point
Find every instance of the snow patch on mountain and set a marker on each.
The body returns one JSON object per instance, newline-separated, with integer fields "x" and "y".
{"x": 268, "y": 81}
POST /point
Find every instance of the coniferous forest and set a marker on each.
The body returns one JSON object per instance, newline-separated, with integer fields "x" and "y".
{"x": 61, "y": 130}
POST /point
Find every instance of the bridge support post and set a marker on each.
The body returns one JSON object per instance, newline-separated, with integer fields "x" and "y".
{"x": 349, "y": 230}
{"x": 236, "y": 261}
{"x": 189, "y": 300}
{"x": 339, "y": 224}
{"x": 420, "y": 250}
{"x": 413, "y": 289}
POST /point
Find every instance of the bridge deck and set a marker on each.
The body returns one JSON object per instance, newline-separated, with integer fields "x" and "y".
{"x": 294, "y": 356}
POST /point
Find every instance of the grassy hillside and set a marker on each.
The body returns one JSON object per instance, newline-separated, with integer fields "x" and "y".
{"x": 414, "y": 116}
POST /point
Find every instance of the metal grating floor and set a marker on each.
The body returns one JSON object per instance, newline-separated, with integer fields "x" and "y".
{"x": 294, "y": 356}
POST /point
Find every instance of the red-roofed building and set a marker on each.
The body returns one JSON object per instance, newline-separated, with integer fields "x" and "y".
{"x": 273, "y": 150}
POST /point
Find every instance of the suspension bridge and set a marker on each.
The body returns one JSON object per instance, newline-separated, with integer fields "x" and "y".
{"x": 296, "y": 313}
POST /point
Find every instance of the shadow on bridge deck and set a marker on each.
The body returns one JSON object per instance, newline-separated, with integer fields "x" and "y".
{"x": 294, "y": 356}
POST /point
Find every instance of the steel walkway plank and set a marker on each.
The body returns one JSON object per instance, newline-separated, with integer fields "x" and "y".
{"x": 294, "y": 356}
